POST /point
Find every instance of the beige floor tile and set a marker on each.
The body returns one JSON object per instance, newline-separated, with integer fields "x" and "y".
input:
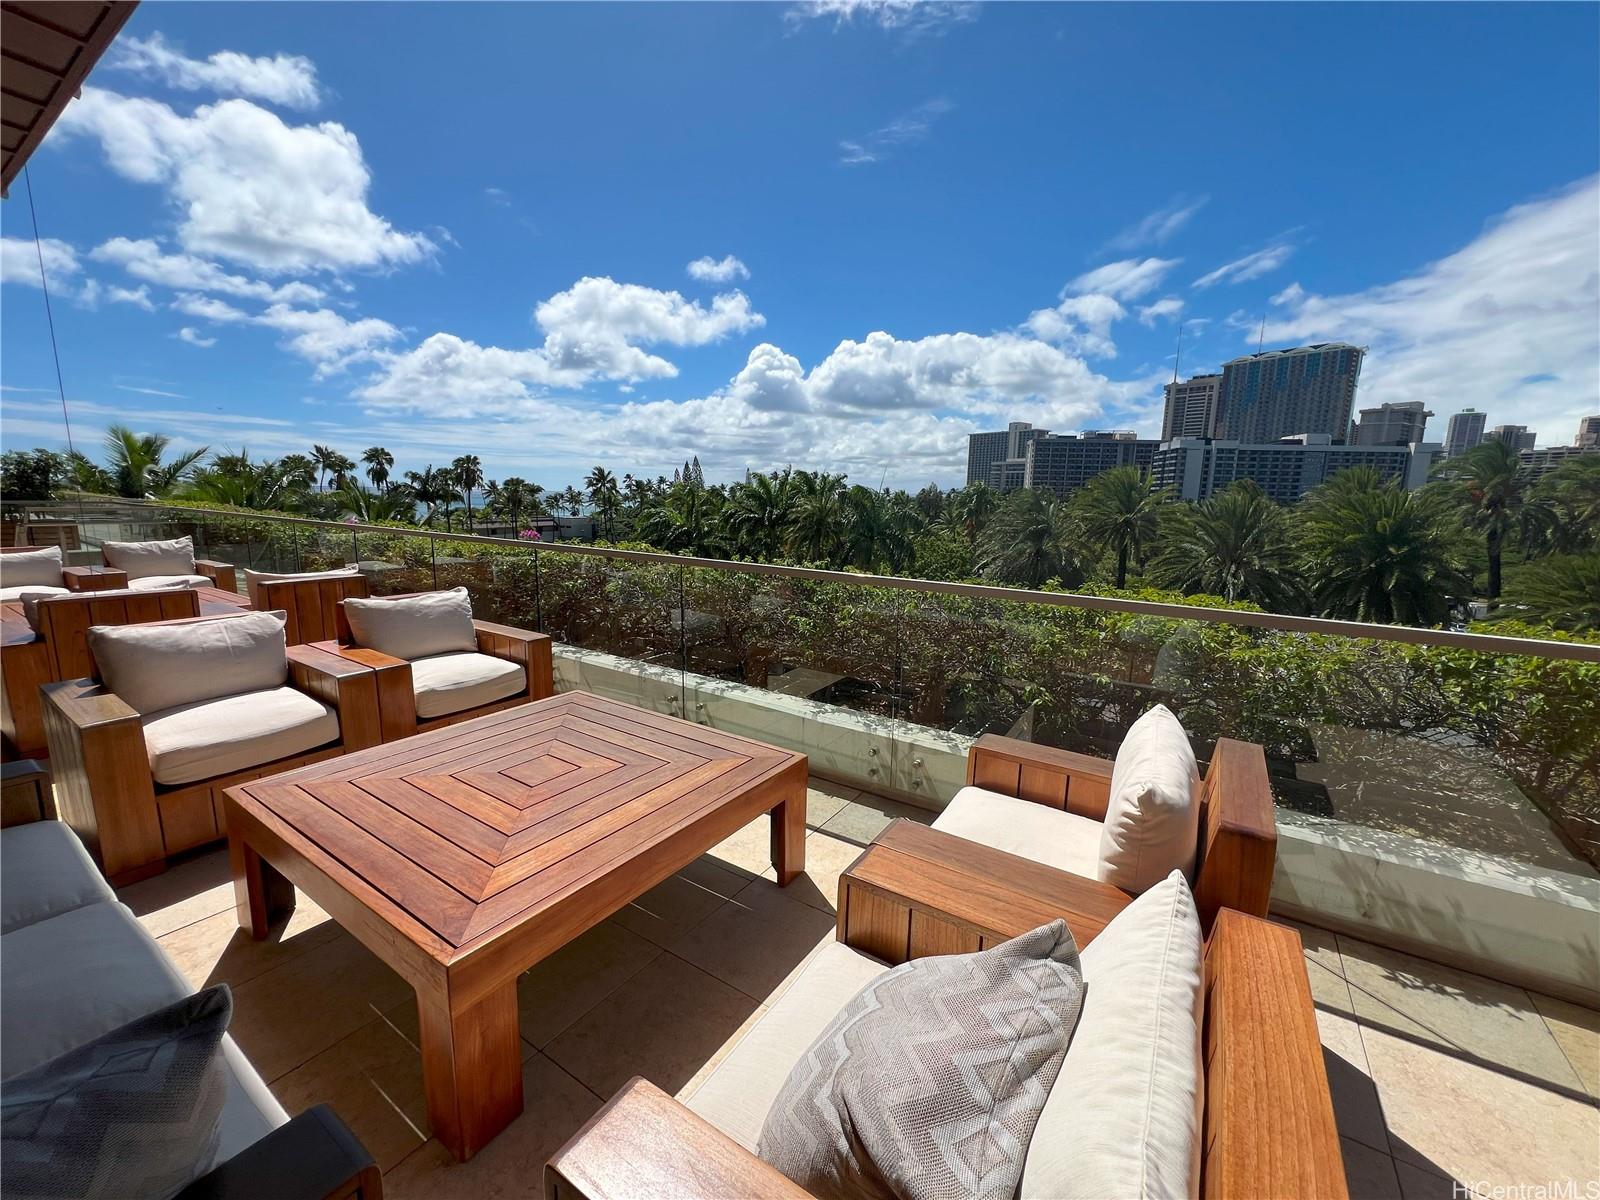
{"x": 670, "y": 909}
{"x": 1328, "y": 991}
{"x": 1356, "y": 1107}
{"x": 1417, "y": 1184}
{"x": 827, "y": 858}
{"x": 747, "y": 852}
{"x": 665, "y": 1023}
{"x": 216, "y": 950}
{"x": 563, "y": 987}
{"x": 373, "y": 1080}
{"x": 182, "y": 895}
{"x": 1493, "y": 1021}
{"x": 1475, "y": 1123}
{"x": 824, "y": 800}
{"x": 865, "y": 817}
{"x": 287, "y": 1015}
{"x": 1368, "y": 1173}
{"x": 717, "y": 876}
{"x": 512, "y": 1166}
{"x": 757, "y": 940}
{"x": 1322, "y": 946}
{"x": 1577, "y": 1032}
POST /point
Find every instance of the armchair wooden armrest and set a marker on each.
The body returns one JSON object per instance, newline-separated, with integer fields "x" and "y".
{"x": 1238, "y": 832}
{"x": 221, "y": 574}
{"x": 349, "y": 687}
{"x": 92, "y": 579}
{"x": 102, "y": 774}
{"x": 25, "y": 794}
{"x": 396, "y": 697}
{"x": 644, "y": 1143}
{"x": 530, "y": 649}
{"x": 313, "y": 1157}
{"x": 1269, "y": 1124}
{"x": 1078, "y": 783}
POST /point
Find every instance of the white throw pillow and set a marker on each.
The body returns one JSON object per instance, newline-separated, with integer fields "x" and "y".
{"x": 21, "y": 568}
{"x": 414, "y": 626}
{"x": 1124, "y": 1116}
{"x": 254, "y": 579}
{"x": 1153, "y": 819}
{"x": 139, "y": 559}
{"x": 155, "y": 667}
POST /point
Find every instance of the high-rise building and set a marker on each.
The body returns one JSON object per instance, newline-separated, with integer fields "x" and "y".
{"x": 1306, "y": 389}
{"x": 1465, "y": 432}
{"x": 1198, "y": 468}
{"x": 1064, "y": 462}
{"x": 1518, "y": 437}
{"x": 1010, "y": 445}
{"x": 1537, "y": 463}
{"x": 1191, "y": 407}
{"x": 1588, "y": 432}
{"x": 1392, "y": 424}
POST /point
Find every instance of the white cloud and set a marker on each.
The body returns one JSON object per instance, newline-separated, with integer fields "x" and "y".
{"x": 287, "y": 79}
{"x": 93, "y": 291}
{"x": 327, "y": 339}
{"x": 1251, "y": 266}
{"x": 144, "y": 391}
{"x": 913, "y": 126}
{"x": 1509, "y": 324}
{"x": 1127, "y": 279}
{"x": 192, "y": 335}
{"x": 208, "y": 308}
{"x": 1167, "y": 306}
{"x": 715, "y": 270}
{"x": 909, "y": 18}
{"x": 451, "y": 375}
{"x": 1079, "y": 324}
{"x": 1159, "y": 226}
{"x": 144, "y": 259}
{"x": 19, "y": 260}
{"x": 498, "y": 196}
{"x": 250, "y": 189}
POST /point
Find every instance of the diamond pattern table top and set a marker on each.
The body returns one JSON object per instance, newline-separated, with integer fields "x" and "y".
{"x": 476, "y": 828}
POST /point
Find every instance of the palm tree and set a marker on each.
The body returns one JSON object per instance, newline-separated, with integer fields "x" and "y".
{"x": 1489, "y": 482}
{"x": 433, "y": 487}
{"x": 379, "y": 463}
{"x": 467, "y": 471}
{"x": 514, "y": 495}
{"x": 327, "y": 460}
{"x": 1376, "y": 552}
{"x": 817, "y": 527}
{"x": 572, "y": 500}
{"x": 134, "y": 461}
{"x": 394, "y": 503}
{"x": 970, "y": 509}
{"x": 1571, "y": 496}
{"x": 605, "y": 496}
{"x": 685, "y": 521}
{"x": 1030, "y": 541}
{"x": 757, "y": 514}
{"x": 1234, "y": 545}
{"x": 299, "y": 472}
{"x": 875, "y": 533}
{"x": 233, "y": 479}
{"x": 1562, "y": 591}
{"x": 930, "y": 503}
{"x": 1117, "y": 510}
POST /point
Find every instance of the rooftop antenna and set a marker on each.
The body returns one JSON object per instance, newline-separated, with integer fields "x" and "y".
{"x": 1178, "y": 357}
{"x": 1261, "y": 340}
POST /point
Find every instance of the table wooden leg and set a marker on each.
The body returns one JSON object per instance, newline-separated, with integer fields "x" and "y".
{"x": 471, "y": 1069}
{"x": 789, "y": 837}
{"x": 260, "y": 893}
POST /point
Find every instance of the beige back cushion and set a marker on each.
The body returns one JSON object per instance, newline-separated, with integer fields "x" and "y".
{"x": 254, "y": 579}
{"x": 142, "y": 559}
{"x": 1153, "y": 818}
{"x": 1123, "y": 1118}
{"x": 23, "y": 567}
{"x": 160, "y": 666}
{"x": 414, "y": 626}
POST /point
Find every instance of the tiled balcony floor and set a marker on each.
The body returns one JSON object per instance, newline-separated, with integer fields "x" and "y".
{"x": 1437, "y": 1076}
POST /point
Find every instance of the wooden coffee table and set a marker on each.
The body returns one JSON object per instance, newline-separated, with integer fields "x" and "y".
{"x": 464, "y": 856}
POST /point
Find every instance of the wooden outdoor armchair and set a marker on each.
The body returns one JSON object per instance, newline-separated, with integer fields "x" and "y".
{"x": 104, "y": 786}
{"x": 56, "y": 649}
{"x": 310, "y": 606}
{"x": 396, "y": 691}
{"x": 1238, "y": 825}
{"x": 222, "y": 575}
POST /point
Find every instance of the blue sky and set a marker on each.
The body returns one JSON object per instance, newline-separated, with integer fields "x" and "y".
{"x": 840, "y": 235}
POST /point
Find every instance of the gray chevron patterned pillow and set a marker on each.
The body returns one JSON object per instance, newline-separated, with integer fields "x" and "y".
{"x": 928, "y": 1084}
{"x": 133, "y": 1113}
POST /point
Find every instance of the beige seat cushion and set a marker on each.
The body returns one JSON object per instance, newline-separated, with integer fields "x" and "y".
{"x": 737, "y": 1096}
{"x": 216, "y": 737}
{"x": 1124, "y": 1116}
{"x": 1057, "y": 839}
{"x": 160, "y": 666}
{"x": 156, "y": 583}
{"x": 30, "y": 589}
{"x": 23, "y": 567}
{"x": 1152, "y": 822}
{"x": 413, "y": 627}
{"x": 254, "y": 579}
{"x": 452, "y": 683}
{"x": 143, "y": 559}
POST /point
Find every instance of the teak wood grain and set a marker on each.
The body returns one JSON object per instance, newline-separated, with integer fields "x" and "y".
{"x": 465, "y": 855}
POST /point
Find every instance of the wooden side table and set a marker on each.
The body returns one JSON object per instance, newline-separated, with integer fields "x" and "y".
{"x": 93, "y": 579}
{"x": 918, "y": 891}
